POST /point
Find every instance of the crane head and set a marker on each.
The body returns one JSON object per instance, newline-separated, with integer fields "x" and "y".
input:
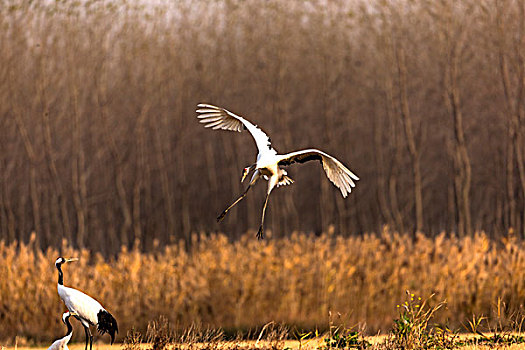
{"x": 67, "y": 314}
{"x": 245, "y": 172}
{"x": 61, "y": 260}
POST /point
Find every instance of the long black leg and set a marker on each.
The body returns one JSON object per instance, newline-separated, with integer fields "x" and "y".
{"x": 90, "y": 339}
{"x": 223, "y": 214}
{"x": 260, "y": 233}
{"x": 86, "y": 330}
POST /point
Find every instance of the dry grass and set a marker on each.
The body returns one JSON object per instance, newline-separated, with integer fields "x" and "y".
{"x": 244, "y": 284}
{"x": 290, "y": 344}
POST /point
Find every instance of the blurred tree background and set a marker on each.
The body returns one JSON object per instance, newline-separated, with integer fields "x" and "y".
{"x": 424, "y": 100}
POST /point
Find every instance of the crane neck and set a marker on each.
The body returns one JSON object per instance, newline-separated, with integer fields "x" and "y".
{"x": 60, "y": 275}
{"x": 69, "y": 327}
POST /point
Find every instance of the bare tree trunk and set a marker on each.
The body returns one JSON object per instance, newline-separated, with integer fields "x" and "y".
{"x": 461, "y": 159}
{"x": 165, "y": 183}
{"x": 520, "y": 110}
{"x": 281, "y": 109}
{"x": 139, "y": 173}
{"x": 3, "y": 217}
{"x": 9, "y": 220}
{"x": 451, "y": 206}
{"x": 511, "y": 127}
{"x": 379, "y": 144}
{"x": 328, "y": 83}
{"x": 413, "y": 149}
{"x": 396, "y": 159}
{"x": 116, "y": 155}
{"x": 514, "y": 112}
{"x": 63, "y": 218}
{"x": 33, "y": 160}
{"x": 78, "y": 176}
{"x": 183, "y": 176}
{"x": 520, "y": 157}
{"x": 511, "y": 195}
{"x": 163, "y": 155}
{"x": 211, "y": 173}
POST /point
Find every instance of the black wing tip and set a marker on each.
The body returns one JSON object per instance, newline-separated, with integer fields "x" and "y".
{"x": 107, "y": 324}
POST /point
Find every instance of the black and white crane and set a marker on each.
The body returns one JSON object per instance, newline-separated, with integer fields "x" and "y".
{"x": 87, "y": 310}
{"x": 269, "y": 163}
{"x": 61, "y": 344}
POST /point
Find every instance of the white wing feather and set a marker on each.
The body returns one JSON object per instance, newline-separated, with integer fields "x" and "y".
{"x": 85, "y": 306}
{"x": 219, "y": 118}
{"x": 338, "y": 174}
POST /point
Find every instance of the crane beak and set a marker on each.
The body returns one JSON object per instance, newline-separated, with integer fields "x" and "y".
{"x": 244, "y": 173}
{"x": 73, "y": 313}
{"x": 71, "y": 259}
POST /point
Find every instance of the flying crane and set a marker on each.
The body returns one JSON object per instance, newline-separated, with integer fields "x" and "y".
{"x": 268, "y": 163}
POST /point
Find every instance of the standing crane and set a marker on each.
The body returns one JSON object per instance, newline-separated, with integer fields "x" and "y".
{"x": 268, "y": 163}
{"x": 87, "y": 310}
{"x": 61, "y": 344}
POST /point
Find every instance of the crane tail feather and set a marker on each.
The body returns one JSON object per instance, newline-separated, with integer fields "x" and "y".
{"x": 107, "y": 324}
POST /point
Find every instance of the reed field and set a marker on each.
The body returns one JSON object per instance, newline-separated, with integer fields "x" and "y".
{"x": 304, "y": 281}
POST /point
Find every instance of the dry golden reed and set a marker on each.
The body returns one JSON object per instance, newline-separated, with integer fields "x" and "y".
{"x": 246, "y": 283}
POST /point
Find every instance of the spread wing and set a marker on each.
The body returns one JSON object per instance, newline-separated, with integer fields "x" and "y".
{"x": 335, "y": 170}
{"x": 219, "y": 118}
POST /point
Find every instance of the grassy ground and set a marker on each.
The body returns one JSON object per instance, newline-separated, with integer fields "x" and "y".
{"x": 288, "y": 344}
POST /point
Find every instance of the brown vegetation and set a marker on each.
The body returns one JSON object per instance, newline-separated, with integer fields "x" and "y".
{"x": 100, "y": 144}
{"x": 246, "y": 283}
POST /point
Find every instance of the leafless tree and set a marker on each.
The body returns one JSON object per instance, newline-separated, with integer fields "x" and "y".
{"x": 100, "y": 145}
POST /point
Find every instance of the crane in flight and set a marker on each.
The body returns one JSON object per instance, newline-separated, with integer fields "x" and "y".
{"x": 268, "y": 163}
